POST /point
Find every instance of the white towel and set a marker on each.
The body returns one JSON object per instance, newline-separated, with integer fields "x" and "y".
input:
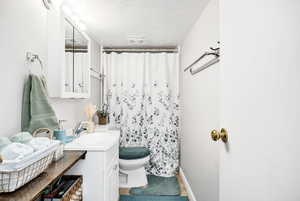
{"x": 16, "y": 151}
{"x": 39, "y": 143}
{"x": 22, "y": 137}
{"x": 4, "y": 141}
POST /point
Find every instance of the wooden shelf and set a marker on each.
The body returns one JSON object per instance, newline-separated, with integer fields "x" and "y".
{"x": 32, "y": 190}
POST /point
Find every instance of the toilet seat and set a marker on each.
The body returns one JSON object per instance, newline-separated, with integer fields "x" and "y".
{"x": 130, "y": 153}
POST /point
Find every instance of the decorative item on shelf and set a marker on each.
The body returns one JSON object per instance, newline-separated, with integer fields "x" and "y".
{"x": 103, "y": 114}
{"x": 90, "y": 111}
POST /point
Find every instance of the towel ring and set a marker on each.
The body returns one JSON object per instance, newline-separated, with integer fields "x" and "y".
{"x": 31, "y": 57}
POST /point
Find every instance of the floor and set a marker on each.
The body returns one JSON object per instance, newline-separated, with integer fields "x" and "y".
{"x": 125, "y": 191}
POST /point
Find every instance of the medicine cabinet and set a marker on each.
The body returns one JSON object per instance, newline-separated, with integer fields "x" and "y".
{"x": 69, "y": 58}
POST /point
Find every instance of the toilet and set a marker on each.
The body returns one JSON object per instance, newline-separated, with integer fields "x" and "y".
{"x": 132, "y": 162}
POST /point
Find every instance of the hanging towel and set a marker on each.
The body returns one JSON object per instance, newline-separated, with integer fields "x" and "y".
{"x": 36, "y": 109}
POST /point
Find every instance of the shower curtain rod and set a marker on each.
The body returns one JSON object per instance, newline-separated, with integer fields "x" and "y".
{"x": 140, "y": 50}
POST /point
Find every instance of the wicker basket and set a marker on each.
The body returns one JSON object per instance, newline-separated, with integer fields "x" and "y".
{"x": 46, "y": 132}
{"x": 16, "y": 174}
{"x": 73, "y": 193}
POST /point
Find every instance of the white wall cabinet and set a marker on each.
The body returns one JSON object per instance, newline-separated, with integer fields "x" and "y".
{"x": 69, "y": 58}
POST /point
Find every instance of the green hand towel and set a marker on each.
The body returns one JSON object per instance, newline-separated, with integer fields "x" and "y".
{"x": 36, "y": 109}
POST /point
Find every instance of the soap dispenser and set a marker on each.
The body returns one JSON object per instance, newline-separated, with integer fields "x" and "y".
{"x": 60, "y": 134}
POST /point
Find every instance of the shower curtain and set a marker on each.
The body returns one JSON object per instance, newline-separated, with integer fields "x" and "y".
{"x": 143, "y": 101}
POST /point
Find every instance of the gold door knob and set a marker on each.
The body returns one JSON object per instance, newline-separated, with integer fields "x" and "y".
{"x": 216, "y": 135}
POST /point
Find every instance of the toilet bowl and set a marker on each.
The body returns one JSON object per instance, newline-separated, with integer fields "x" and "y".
{"x": 132, "y": 164}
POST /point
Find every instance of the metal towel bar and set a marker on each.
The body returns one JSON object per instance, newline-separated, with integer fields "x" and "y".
{"x": 214, "y": 51}
{"x": 208, "y": 64}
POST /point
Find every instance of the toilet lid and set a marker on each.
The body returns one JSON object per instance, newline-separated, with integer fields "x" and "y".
{"x": 133, "y": 152}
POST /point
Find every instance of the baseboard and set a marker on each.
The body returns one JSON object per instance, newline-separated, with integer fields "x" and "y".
{"x": 187, "y": 186}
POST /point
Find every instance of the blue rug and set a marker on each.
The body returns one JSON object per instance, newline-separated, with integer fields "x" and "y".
{"x": 158, "y": 186}
{"x": 152, "y": 198}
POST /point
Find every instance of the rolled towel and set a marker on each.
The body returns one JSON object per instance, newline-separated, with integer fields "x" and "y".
{"x": 23, "y": 137}
{"x": 38, "y": 143}
{"x": 15, "y": 151}
{"x": 4, "y": 141}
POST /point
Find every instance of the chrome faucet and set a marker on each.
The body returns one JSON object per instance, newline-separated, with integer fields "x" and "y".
{"x": 79, "y": 128}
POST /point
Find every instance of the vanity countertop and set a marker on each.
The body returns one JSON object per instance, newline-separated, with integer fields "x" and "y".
{"x": 101, "y": 141}
{"x": 32, "y": 190}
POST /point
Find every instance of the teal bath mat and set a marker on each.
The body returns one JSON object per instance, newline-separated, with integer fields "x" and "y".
{"x": 152, "y": 198}
{"x": 158, "y": 186}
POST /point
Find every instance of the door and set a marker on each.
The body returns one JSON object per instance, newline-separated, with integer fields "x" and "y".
{"x": 260, "y": 100}
{"x": 200, "y": 108}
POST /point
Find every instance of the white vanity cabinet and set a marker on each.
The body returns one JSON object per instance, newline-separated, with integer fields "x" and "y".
{"x": 69, "y": 57}
{"x": 111, "y": 179}
{"x": 100, "y": 168}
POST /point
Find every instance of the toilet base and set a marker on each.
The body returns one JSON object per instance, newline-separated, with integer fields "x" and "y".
{"x": 133, "y": 178}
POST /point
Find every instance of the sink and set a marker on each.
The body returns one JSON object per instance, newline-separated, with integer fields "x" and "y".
{"x": 98, "y": 141}
{"x": 95, "y": 139}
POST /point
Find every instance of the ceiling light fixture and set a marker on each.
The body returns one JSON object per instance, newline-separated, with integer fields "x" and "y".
{"x": 82, "y": 26}
{"x": 67, "y": 10}
{"x": 74, "y": 18}
{"x": 47, "y": 3}
{"x": 52, "y": 3}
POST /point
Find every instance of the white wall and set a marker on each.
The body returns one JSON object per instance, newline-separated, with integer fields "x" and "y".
{"x": 260, "y": 70}
{"x": 200, "y": 108}
{"x": 72, "y": 110}
{"x": 23, "y": 27}
{"x": 95, "y": 58}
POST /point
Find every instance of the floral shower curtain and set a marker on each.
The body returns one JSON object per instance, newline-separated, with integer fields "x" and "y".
{"x": 143, "y": 101}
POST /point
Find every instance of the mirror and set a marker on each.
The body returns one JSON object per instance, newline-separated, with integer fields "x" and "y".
{"x": 76, "y": 60}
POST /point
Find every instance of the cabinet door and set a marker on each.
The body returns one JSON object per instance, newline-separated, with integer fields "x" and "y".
{"x": 81, "y": 63}
{"x": 69, "y": 56}
{"x": 77, "y": 62}
{"x": 115, "y": 191}
{"x": 113, "y": 182}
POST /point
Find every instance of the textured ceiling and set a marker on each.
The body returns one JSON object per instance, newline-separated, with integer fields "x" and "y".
{"x": 159, "y": 22}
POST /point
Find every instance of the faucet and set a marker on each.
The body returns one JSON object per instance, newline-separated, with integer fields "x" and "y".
{"x": 79, "y": 128}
